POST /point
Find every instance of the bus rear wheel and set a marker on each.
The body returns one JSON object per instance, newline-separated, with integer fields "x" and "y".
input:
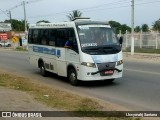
{"x": 72, "y": 76}
{"x": 42, "y": 69}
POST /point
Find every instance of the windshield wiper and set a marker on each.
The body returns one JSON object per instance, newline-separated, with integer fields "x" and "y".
{"x": 111, "y": 48}
{"x": 91, "y": 48}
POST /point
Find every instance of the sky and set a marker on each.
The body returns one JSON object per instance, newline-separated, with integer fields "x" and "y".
{"x": 146, "y": 11}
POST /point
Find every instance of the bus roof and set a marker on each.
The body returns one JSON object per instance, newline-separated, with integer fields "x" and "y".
{"x": 66, "y": 24}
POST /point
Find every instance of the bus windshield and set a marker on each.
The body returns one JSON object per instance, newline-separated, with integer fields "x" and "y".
{"x": 97, "y": 36}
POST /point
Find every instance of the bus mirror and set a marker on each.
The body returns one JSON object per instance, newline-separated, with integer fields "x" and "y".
{"x": 121, "y": 40}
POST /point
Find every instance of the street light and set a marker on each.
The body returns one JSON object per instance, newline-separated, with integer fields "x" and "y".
{"x": 132, "y": 33}
{"x": 25, "y": 22}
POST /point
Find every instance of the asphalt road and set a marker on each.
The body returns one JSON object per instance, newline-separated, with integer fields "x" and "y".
{"x": 139, "y": 89}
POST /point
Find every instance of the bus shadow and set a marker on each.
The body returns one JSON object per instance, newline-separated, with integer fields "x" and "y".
{"x": 98, "y": 83}
{"x": 102, "y": 83}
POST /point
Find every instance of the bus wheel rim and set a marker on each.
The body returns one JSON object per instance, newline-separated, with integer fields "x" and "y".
{"x": 72, "y": 76}
{"x": 42, "y": 69}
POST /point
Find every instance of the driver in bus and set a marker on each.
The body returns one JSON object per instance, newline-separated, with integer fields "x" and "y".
{"x": 100, "y": 40}
{"x": 67, "y": 44}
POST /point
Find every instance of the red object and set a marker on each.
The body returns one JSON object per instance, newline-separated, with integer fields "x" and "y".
{"x": 3, "y": 36}
{"x": 109, "y": 72}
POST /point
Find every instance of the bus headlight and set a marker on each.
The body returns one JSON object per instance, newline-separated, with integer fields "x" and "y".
{"x": 120, "y": 62}
{"x": 88, "y": 64}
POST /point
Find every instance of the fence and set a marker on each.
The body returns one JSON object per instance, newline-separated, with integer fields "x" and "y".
{"x": 142, "y": 40}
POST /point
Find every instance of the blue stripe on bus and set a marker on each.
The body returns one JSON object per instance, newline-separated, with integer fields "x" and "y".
{"x": 45, "y": 50}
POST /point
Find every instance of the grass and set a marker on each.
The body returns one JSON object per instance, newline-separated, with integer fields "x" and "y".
{"x": 20, "y": 49}
{"x": 53, "y": 97}
{"x": 144, "y": 50}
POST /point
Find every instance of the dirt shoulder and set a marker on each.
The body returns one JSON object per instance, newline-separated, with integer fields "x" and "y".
{"x": 14, "y": 100}
{"x": 142, "y": 57}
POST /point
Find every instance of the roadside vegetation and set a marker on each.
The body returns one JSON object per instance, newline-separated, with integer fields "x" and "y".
{"x": 143, "y": 50}
{"x": 55, "y": 98}
{"x": 21, "y": 49}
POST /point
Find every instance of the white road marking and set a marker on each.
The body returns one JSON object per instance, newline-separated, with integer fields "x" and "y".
{"x": 155, "y": 73}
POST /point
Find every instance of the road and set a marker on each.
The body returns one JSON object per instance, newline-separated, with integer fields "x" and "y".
{"x": 137, "y": 90}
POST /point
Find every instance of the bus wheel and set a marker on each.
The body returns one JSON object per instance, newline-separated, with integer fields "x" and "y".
{"x": 72, "y": 76}
{"x": 42, "y": 69}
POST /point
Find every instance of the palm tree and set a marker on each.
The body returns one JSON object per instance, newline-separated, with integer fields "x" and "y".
{"x": 43, "y": 21}
{"x": 137, "y": 29}
{"x": 145, "y": 28}
{"x": 156, "y": 25}
{"x": 74, "y": 14}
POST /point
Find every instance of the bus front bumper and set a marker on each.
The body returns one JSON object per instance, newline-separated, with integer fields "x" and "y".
{"x": 93, "y": 74}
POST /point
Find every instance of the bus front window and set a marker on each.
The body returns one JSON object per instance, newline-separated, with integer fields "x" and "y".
{"x": 97, "y": 36}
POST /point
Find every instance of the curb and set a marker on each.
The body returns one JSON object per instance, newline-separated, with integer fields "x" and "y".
{"x": 141, "y": 54}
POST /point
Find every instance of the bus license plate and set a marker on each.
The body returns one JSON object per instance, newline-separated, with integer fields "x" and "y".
{"x": 109, "y": 72}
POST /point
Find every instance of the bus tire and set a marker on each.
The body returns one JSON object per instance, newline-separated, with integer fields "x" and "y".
{"x": 72, "y": 76}
{"x": 42, "y": 69}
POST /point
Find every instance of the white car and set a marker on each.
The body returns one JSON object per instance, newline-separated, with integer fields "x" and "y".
{"x": 6, "y": 44}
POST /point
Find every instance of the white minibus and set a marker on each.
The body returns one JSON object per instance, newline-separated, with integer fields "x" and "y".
{"x": 80, "y": 50}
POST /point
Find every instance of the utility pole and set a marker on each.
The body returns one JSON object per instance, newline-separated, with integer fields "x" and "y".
{"x": 10, "y": 16}
{"x": 25, "y": 22}
{"x": 132, "y": 36}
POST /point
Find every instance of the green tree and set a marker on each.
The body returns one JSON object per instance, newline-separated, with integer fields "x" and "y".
{"x": 16, "y": 24}
{"x": 137, "y": 29}
{"x": 124, "y": 27}
{"x": 145, "y": 28}
{"x": 44, "y": 21}
{"x": 115, "y": 25}
{"x": 156, "y": 25}
{"x": 74, "y": 14}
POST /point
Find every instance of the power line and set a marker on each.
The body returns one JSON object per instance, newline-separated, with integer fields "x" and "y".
{"x": 4, "y": 12}
{"x": 90, "y": 8}
{"x": 94, "y": 8}
{"x": 20, "y": 4}
{"x": 111, "y": 4}
{"x": 122, "y": 6}
{"x": 148, "y": 2}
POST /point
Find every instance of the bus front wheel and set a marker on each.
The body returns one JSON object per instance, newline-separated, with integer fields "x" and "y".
{"x": 42, "y": 69}
{"x": 72, "y": 76}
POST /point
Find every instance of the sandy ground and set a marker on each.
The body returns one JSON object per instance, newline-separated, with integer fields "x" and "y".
{"x": 142, "y": 57}
{"x": 14, "y": 100}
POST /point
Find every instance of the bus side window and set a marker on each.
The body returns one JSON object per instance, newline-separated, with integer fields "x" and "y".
{"x": 52, "y": 37}
{"x": 30, "y": 37}
{"x": 61, "y": 37}
{"x": 44, "y": 37}
{"x": 72, "y": 39}
{"x": 35, "y": 36}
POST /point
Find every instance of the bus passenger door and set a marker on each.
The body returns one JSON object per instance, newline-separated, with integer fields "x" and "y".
{"x": 61, "y": 63}
{"x": 69, "y": 55}
{"x": 72, "y": 55}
